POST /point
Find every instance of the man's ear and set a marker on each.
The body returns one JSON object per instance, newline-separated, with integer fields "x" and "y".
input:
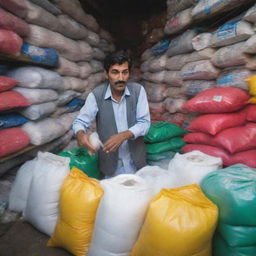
{"x": 106, "y": 74}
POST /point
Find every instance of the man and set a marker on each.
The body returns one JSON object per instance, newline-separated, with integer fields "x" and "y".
{"x": 122, "y": 118}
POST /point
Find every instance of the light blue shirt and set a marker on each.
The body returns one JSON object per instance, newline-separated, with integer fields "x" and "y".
{"x": 88, "y": 113}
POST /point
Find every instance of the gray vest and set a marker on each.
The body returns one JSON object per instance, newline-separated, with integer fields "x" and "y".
{"x": 106, "y": 127}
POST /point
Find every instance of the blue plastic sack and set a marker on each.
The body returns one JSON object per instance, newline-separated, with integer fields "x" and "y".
{"x": 3, "y": 69}
{"x": 11, "y": 120}
{"x": 43, "y": 56}
{"x": 75, "y": 105}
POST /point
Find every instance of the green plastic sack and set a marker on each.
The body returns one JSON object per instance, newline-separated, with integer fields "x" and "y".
{"x": 221, "y": 248}
{"x": 233, "y": 190}
{"x": 161, "y": 156}
{"x": 80, "y": 158}
{"x": 162, "y": 131}
{"x": 173, "y": 144}
{"x": 238, "y": 235}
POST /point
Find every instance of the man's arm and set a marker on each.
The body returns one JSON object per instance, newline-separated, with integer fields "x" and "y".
{"x": 82, "y": 122}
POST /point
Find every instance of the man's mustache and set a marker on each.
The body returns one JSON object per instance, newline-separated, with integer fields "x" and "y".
{"x": 120, "y": 82}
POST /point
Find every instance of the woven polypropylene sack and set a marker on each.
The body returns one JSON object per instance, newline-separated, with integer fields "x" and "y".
{"x": 200, "y": 138}
{"x": 74, "y": 228}
{"x": 11, "y": 120}
{"x": 7, "y": 83}
{"x": 17, "y": 7}
{"x": 217, "y": 100}
{"x": 164, "y": 220}
{"x": 251, "y": 14}
{"x": 42, "y": 207}
{"x": 193, "y": 87}
{"x": 10, "y": 42}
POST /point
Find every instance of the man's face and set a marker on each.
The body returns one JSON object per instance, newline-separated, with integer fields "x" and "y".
{"x": 118, "y": 76}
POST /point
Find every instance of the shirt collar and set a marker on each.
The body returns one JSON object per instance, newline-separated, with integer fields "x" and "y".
{"x": 109, "y": 93}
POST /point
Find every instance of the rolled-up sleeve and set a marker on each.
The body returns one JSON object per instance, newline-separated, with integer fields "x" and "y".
{"x": 142, "y": 116}
{"x": 87, "y": 114}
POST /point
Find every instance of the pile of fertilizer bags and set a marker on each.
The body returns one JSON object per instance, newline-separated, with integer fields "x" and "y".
{"x": 153, "y": 212}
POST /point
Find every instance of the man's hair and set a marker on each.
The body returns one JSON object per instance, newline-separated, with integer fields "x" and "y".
{"x": 118, "y": 57}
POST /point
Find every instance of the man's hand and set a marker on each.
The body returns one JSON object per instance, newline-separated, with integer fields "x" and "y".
{"x": 113, "y": 143}
{"x": 83, "y": 141}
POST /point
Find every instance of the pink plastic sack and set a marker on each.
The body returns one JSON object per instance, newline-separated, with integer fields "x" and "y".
{"x": 237, "y": 139}
{"x": 245, "y": 157}
{"x": 10, "y": 22}
{"x": 250, "y": 112}
{"x": 214, "y": 123}
{"x": 209, "y": 150}
{"x": 11, "y": 99}
{"x": 12, "y": 140}
{"x": 217, "y": 100}
{"x": 7, "y": 83}
{"x": 10, "y": 42}
{"x": 200, "y": 138}
{"x": 17, "y": 7}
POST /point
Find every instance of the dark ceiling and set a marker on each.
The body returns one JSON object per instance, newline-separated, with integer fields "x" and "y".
{"x": 125, "y": 19}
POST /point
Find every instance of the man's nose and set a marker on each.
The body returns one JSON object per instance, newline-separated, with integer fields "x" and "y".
{"x": 121, "y": 77}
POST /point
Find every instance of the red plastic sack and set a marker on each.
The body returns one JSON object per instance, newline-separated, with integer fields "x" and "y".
{"x": 18, "y": 7}
{"x": 250, "y": 112}
{"x": 209, "y": 150}
{"x": 12, "y": 140}
{"x": 11, "y": 99}
{"x": 217, "y": 100}
{"x": 245, "y": 157}
{"x": 10, "y": 42}
{"x": 7, "y": 83}
{"x": 200, "y": 138}
{"x": 214, "y": 123}
{"x": 10, "y": 22}
{"x": 237, "y": 139}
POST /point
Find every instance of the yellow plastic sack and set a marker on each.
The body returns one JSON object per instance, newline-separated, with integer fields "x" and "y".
{"x": 179, "y": 222}
{"x": 79, "y": 200}
{"x": 252, "y": 100}
{"x": 251, "y": 82}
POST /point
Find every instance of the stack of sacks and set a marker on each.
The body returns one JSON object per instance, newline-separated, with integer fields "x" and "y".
{"x": 192, "y": 167}
{"x": 179, "y": 221}
{"x": 12, "y": 138}
{"x": 117, "y": 228}
{"x": 225, "y": 117}
{"x": 233, "y": 190}
{"x": 162, "y": 141}
{"x": 36, "y": 190}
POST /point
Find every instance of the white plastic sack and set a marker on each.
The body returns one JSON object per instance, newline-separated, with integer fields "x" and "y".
{"x": 182, "y": 43}
{"x": 39, "y": 16}
{"x": 234, "y": 78}
{"x": 202, "y": 41}
{"x": 85, "y": 69}
{"x": 43, "y": 199}
{"x": 71, "y": 28}
{"x": 95, "y": 80}
{"x": 92, "y": 38}
{"x": 66, "y": 97}
{"x": 232, "y": 55}
{"x": 207, "y": 8}
{"x": 157, "y": 77}
{"x": 178, "y": 22}
{"x": 144, "y": 67}
{"x": 66, "y": 120}
{"x": 174, "y": 105}
{"x": 173, "y": 78}
{"x": 98, "y": 54}
{"x": 197, "y": 70}
{"x": 46, "y": 130}
{"x": 68, "y": 68}
{"x": 116, "y": 228}
{"x": 193, "y": 87}
{"x": 251, "y": 14}
{"x": 47, "y": 5}
{"x": 157, "y": 63}
{"x": 38, "y": 111}
{"x": 231, "y": 32}
{"x": 86, "y": 51}
{"x": 95, "y": 141}
{"x": 175, "y": 6}
{"x": 37, "y": 96}
{"x": 155, "y": 91}
{"x": 178, "y": 61}
{"x": 157, "y": 178}
{"x": 147, "y": 54}
{"x": 20, "y": 187}
{"x": 173, "y": 92}
{"x": 250, "y": 45}
{"x": 96, "y": 66}
{"x": 73, "y": 83}
{"x": 36, "y": 77}
{"x": 192, "y": 167}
